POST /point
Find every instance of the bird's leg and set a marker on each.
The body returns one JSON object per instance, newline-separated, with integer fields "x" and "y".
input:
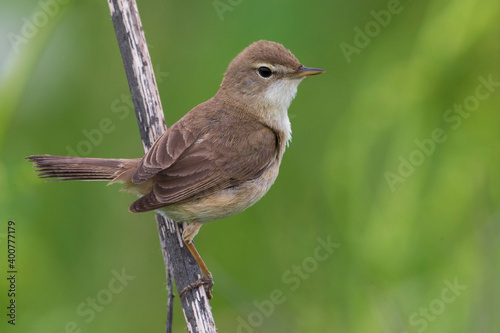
{"x": 206, "y": 280}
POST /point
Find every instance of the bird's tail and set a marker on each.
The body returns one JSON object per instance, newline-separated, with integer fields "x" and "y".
{"x": 83, "y": 168}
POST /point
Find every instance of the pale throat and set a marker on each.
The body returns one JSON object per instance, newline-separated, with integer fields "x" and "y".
{"x": 278, "y": 98}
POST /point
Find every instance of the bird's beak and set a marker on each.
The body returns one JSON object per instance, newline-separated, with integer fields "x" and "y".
{"x": 305, "y": 71}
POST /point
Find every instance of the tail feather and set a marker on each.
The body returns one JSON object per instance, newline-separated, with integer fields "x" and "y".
{"x": 81, "y": 168}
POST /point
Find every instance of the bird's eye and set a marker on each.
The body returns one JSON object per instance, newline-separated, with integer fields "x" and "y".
{"x": 264, "y": 71}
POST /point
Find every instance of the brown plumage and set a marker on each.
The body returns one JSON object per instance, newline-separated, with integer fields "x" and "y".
{"x": 80, "y": 168}
{"x": 217, "y": 160}
{"x": 192, "y": 161}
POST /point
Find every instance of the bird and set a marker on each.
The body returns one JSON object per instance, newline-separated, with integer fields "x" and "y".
{"x": 216, "y": 161}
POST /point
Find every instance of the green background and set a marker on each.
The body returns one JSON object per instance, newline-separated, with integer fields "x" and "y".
{"x": 418, "y": 253}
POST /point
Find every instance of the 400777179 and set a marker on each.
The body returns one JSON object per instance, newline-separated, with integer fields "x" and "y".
{"x": 11, "y": 272}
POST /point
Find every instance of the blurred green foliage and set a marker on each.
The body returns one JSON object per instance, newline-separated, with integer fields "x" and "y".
{"x": 414, "y": 216}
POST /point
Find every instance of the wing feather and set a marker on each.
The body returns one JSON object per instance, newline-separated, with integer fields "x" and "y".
{"x": 192, "y": 159}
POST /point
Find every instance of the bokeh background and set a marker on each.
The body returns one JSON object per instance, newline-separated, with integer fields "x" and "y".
{"x": 394, "y": 161}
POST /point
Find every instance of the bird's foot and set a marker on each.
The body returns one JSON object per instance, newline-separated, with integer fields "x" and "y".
{"x": 205, "y": 281}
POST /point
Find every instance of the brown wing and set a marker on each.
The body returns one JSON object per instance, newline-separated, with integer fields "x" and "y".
{"x": 198, "y": 156}
{"x": 165, "y": 151}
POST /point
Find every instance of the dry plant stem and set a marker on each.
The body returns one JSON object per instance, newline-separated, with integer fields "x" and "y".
{"x": 178, "y": 261}
{"x": 171, "y": 296}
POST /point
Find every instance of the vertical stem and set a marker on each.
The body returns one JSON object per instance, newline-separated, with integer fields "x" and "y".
{"x": 178, "y": 261}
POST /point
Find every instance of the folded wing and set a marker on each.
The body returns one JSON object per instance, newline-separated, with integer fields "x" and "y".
{"x": 198, "y": 156}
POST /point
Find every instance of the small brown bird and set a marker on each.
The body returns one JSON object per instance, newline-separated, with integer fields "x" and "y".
{"x": 217, "y": 160}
